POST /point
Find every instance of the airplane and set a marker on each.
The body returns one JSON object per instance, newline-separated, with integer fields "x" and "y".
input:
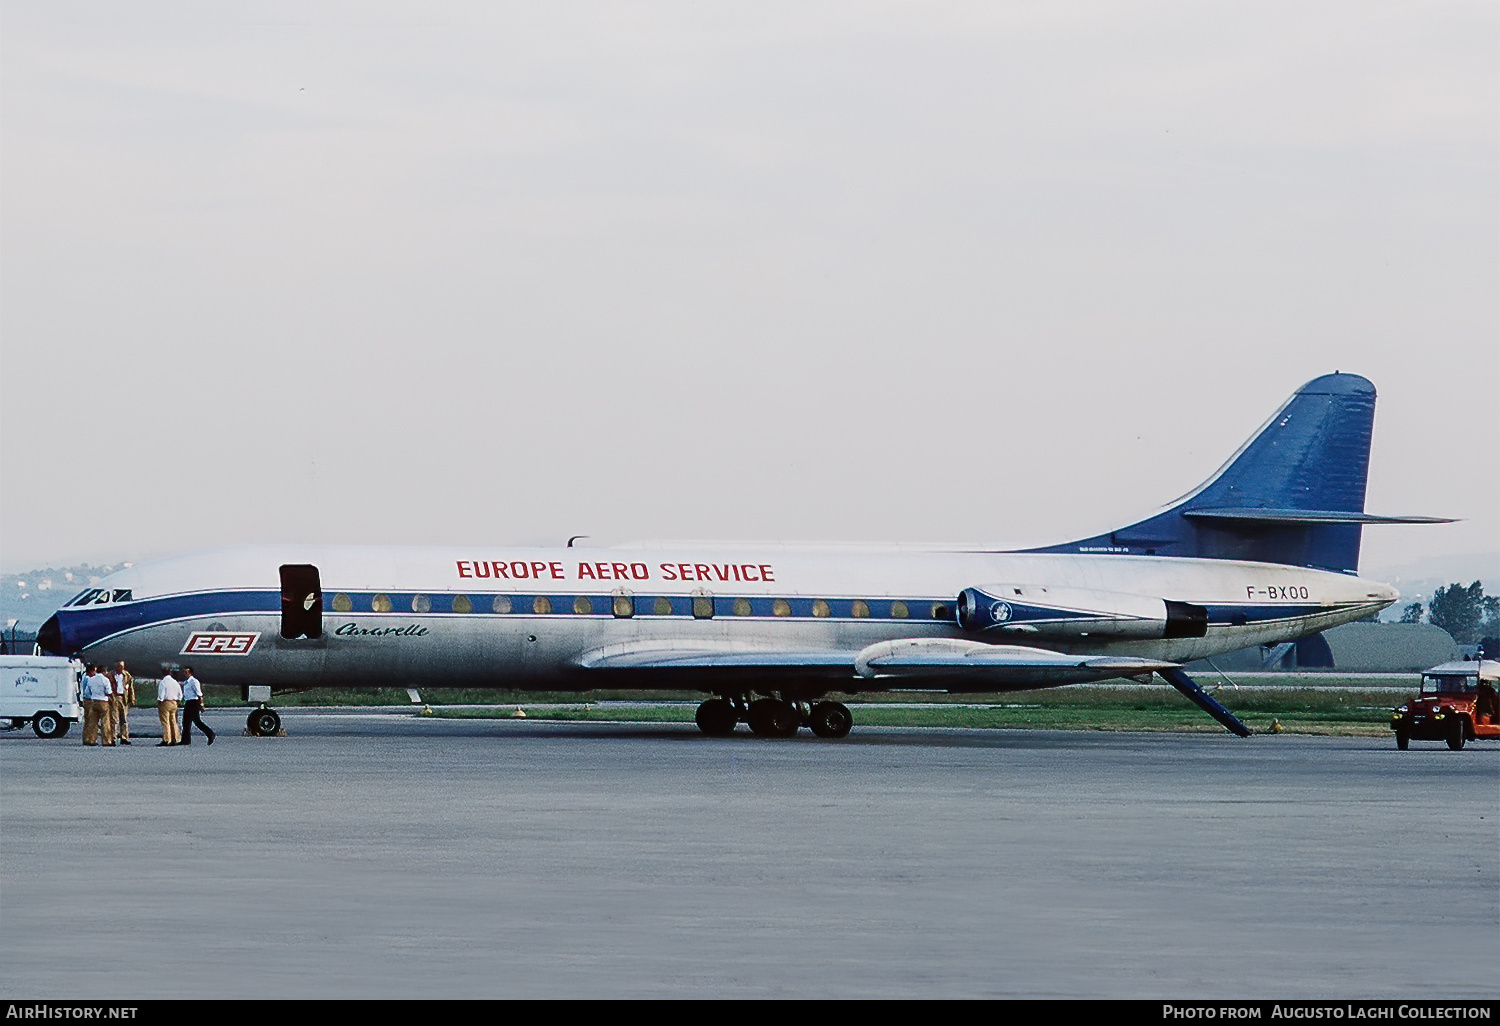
{"x": 1265, "y": 551}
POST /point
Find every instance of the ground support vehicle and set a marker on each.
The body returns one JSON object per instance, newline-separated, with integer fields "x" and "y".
{"x": 42, "y": 691}
{"x": 1459, "y": 702}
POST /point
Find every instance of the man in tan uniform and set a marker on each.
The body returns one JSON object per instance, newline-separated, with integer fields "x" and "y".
{"x": 168, "y": 694}
{"x": 122, "y": 697}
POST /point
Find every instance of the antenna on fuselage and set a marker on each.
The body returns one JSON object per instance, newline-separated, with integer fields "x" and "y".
{"x": 575, "y": 538}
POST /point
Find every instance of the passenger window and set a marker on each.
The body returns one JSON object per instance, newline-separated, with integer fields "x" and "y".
{"x": 541, "y": 605}
{"x": 582, "y": 606}
{"x": 861, "y": 608}
{"x": 781, "y": 607}
{"x": 820, "y": 608}
{"x": 623, "y": 606}
{"x": 939, "y": 611}
{"x": 703, "y": 605}
{"x": 380, "y": 604}
{"x": 343, "y": 603}
{"x": 899, "y": 610}
{"x": 742, "y": 607}
{"x": 421, "y": 604}
{"x": 461, "y": 604}
{"x": 663, "y": 607}
{"x": 501, "y": 604}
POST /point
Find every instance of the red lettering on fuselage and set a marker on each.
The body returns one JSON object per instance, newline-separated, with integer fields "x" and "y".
{"x": 520, "y": 570}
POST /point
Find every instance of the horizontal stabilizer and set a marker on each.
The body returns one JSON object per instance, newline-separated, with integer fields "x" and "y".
{"x": 1307, "y": 516}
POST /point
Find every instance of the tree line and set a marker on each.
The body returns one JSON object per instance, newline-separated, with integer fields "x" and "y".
{"x": 1466, "y": 613}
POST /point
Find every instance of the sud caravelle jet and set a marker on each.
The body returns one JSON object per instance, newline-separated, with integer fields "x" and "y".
{"x": 1266, "y": 551}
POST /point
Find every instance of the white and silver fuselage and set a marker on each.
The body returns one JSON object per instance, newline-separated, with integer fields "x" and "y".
{"x": 537, "y": 618}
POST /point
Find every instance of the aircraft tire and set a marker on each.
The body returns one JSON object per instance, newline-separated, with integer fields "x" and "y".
{"x": 263, "y": 722}
{"x": 1456, "y": 733}
{"x": 771, "y": 717}
{"x": 1403, "y": 740}
{"x": 48, "y": 724}
{"x": 717, "y": 718}
{"x": 831, "y": 719}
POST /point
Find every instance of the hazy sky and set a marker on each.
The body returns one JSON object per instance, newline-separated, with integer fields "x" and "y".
{"x": 493, "y": 273}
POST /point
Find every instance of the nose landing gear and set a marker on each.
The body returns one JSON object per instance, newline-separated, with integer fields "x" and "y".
{"x": 263, "y": 722}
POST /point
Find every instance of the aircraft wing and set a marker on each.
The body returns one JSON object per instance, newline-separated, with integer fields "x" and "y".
{"x": 916, "y": 657}
{"x": 711, "y": 655}
{"x": 950, "y": 663}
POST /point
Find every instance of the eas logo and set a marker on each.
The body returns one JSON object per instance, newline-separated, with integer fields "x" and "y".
{"x": 219, "y": 643}
{"x": 1000, "y": 612}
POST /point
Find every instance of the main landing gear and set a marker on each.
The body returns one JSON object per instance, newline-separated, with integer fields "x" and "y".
{"x": 773, "y": 717}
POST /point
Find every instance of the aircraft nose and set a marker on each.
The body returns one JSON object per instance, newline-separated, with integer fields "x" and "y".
{"x": 49, "y": 638}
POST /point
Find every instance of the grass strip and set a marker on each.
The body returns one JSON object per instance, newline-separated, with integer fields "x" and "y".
{"x": 1294, "y": 710}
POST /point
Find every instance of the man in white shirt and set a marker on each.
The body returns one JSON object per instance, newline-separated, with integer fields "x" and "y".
{"x": 192, "y": 708}
{"x": 168, "y": 694}
{"x": 96, "y": 697}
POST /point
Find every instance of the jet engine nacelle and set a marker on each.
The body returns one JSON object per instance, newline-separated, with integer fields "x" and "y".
{"x": 1020, "y": 610}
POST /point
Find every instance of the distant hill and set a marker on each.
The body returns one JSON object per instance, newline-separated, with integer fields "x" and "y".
{"x": 30, "y": 598}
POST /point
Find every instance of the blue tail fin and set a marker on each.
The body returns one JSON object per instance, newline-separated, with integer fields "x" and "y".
{"x": 1294, "y": 494}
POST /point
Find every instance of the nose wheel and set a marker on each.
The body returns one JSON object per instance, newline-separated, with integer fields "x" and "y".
{"x": 263, "y": 722}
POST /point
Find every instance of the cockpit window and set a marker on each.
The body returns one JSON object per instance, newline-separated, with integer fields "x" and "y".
{"x": 101, "y": 596}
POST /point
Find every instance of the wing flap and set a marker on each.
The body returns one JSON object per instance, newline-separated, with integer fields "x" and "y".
{"x": 708, "y": 655}
{"x": 958, "y": 663}
{"x": 918, "y": 657}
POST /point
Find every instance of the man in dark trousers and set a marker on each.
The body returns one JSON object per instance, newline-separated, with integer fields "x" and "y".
{"x": 192, "y": 709}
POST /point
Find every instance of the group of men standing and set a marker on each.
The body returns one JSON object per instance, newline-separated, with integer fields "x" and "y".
{"x": 108, "y": 698}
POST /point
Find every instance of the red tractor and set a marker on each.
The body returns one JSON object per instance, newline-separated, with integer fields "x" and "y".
{"x": 1459, "y": 702}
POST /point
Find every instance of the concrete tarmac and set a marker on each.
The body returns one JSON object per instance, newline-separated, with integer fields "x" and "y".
{"x": 375, "y": 854}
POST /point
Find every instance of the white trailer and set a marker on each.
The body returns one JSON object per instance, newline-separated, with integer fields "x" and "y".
{"x": 42, "y": 691}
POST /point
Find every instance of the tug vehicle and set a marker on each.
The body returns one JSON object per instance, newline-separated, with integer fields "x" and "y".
{"x": 41, "y": 691}
{"x": 1459, "y": 702}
